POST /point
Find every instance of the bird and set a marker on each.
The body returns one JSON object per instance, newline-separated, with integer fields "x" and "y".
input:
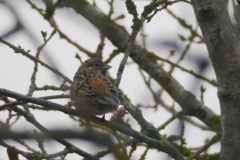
{"x": 92, "y": 92}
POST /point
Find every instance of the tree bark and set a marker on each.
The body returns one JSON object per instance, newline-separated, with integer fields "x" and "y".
{"x": 222, "y": 40}
{"x": 119, "y": 37}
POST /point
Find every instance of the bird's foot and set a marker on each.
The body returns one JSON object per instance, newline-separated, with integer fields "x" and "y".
{"x": 103, "y": 118}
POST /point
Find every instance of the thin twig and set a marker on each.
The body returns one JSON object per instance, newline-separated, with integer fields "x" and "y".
{"x": 143, "y": 156}
{"x": 213, "y": 82}
{"x": 25, "y": 145}
{"x": 111, "y": 9}
{"x": 143, "y": 36}
{"x": 124, "y": 150}
{"x": 184, "y": 52}
{"x": 129, "y": 46}
{"x": 185, "y": 25}
{"x": 161, "y": 144}
{"x": 171, "y": 110}
{"x": 10, "y": 104}
{"x": 181, "y": 131}
{"x": 21, "y": 102}
{"x": 62, "y": 35}
{"x": 55, "y": 96}
{"x": 111, "y": 56}
{"x": 202, "y": 90}
{"x": 158, "y": 100}
{"x": 174, "y": 116}
{"x": 39, "y": 49}
{"x": 40, "y": 11}
{"x": 166, "y": 4}
{"x": 23, "y": 52}
{"x": 31, "y": 119}
{"x": 40, "y": 141}
{"x": 31, "y": 155}
{"x": 54, "y": 88}
{"x": 214, "y": 139}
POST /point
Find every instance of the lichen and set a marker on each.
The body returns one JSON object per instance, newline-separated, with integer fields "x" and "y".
{"x": 183, "y": 150}
{"x": 136, "y": 24}
{"x": 82, "y": 2}
{"x": 131, "y": 8}
{"x": 215, "y": 119}
{"x": 214, "y": 156}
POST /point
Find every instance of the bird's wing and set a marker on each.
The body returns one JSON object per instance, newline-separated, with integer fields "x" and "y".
{"x": 81, "y": 84}
{"x": 113, "y": 97}
{"x": 103, "y": 89}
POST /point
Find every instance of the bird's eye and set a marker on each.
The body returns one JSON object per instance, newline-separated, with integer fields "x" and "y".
{"x": 96, "y": 65}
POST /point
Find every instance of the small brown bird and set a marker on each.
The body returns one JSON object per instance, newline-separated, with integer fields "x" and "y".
{"x": 91, "y": 92}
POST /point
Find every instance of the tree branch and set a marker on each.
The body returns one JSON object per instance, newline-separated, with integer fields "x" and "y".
{"x": 222, "y": 41}
{"x": 24, "y": 53}
{"x": 161, "y": 144}
{"x": 107, "y": 27}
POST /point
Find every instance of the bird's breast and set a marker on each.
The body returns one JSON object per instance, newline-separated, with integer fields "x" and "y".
{"x": 100, "y": 87}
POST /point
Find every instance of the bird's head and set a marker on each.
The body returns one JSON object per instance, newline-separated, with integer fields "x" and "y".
{"x": 96, "y": 65}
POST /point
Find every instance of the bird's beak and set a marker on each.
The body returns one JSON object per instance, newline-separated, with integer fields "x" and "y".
{"x": 107, "y": 67}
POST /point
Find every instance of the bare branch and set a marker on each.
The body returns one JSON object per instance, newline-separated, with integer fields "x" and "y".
{"x": 184, "y": 98}
{"x": 214, "y": 139}
{"x": 160, "y": 144}
{"x": 23, "y": 52}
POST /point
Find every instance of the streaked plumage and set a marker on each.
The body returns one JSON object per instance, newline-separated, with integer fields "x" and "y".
{"x": 91, "y": 91}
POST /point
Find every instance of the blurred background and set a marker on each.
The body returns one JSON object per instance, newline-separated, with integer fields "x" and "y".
{"x": 21, "y": 25}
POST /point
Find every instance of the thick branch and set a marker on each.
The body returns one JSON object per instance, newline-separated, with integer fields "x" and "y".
{"x": 161, "y": 144}
{"x": 223, "y": 44}
{"x": 119, "y": 37}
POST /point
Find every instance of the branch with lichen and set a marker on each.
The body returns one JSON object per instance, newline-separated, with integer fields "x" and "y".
{"x": 165, "y": 5}
{"x": 160, "y": 144}
{"x": 137, "y": 23}
{"x": 213, "y": 140}
{"x": 158, "y": 100}
{"x": 184, "y": 98}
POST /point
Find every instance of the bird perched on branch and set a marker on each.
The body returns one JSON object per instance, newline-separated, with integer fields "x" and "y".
{"x": 91, "y": 92}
